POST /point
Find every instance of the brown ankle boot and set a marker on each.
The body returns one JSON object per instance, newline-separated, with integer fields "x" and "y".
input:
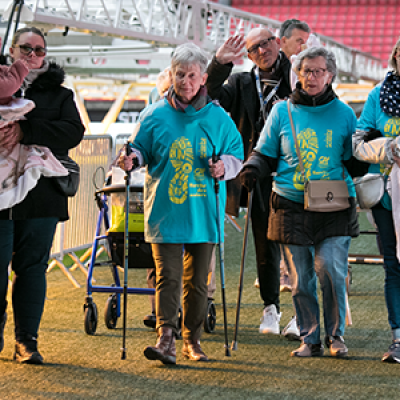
{"x": 164, "y": 350}
{"x": 191, "y": 350}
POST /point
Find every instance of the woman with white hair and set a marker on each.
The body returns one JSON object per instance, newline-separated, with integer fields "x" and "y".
{"x": 317, "y": 146}
{"x": 176, "y": 138}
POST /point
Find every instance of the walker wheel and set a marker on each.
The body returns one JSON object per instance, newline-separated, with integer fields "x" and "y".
{"x": 90, "y": 318}
{"x": 110, "y": 312}
{"x": 210, "y": 318}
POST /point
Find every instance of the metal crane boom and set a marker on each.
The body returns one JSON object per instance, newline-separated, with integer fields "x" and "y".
{"x": 173, "y": 22}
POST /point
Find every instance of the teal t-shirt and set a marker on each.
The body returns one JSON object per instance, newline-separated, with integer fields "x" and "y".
{"x": 179, "y": 194}
{"x": 373, "y": 117}
{"x": 324, "y": 136}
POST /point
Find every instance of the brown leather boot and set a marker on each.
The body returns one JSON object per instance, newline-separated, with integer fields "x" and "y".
{"x": 164, "y": 350}
{"x": 191, "y": 350}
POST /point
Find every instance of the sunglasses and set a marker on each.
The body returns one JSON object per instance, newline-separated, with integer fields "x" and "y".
{"x": 27, "y": 50}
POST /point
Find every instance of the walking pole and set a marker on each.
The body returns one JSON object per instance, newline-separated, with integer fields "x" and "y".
{"x": 126, "y": 254}
{"x": 244, "y": 251}
{"x": 221, "y": 257}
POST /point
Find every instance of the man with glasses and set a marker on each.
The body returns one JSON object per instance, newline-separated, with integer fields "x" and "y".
{"x": 249, "y": 97}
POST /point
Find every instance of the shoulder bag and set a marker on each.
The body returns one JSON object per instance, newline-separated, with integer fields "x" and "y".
{"x": 321, "y": 195}
{"x": 68, "y": 185}
{"x": 370, "y": 189}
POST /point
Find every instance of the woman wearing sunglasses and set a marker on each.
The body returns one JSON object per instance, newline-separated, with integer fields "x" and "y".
{"x": 27, "y": 228}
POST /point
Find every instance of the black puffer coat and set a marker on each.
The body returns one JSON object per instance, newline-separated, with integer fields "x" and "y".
{"x": 55, "y": 123}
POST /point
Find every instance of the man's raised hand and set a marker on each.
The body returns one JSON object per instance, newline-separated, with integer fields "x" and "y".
{"x": 231, "y": 50}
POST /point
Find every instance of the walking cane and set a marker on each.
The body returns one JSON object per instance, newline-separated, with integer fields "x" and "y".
{"x": 221, "y": 257}
{"x": 128, "y": 151}
{"x": 244, "y": 251}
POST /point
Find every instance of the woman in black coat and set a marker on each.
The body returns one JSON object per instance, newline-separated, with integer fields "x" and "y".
{"x": 27, "y": 229}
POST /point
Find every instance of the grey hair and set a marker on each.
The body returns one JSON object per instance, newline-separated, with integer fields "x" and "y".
{"x": 392, "y": 58}
{"x": 189, "y": 53}
{"x": 314, "y": 52}
{"x": 289, "y": 25}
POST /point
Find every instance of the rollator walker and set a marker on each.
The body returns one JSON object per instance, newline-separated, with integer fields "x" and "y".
{"x": 112, "y": 198}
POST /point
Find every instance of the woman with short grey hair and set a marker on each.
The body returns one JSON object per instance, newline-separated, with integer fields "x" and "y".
{"x": 315, "y": 146}
{"x": 189, "y": 53}
{"x": 176, "y": 138}
{"x": 312, "y": 53}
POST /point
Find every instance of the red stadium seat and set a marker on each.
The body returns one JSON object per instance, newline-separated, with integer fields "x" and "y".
{"x": 369, "y": 25}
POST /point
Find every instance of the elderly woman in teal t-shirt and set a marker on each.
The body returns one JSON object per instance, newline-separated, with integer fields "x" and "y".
{"x": 176, "y": 138}
{"x": 314, "y": 244}
{"x": 377, "y": 141}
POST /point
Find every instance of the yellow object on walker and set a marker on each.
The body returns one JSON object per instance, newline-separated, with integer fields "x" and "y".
{"x": 135, "y": 218}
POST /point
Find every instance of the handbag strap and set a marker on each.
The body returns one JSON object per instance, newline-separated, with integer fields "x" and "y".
{"x": 295, "y": 139}
{"x": 297, "y": 145}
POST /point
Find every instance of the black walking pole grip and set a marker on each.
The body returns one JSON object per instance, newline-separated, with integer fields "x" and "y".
{"x": 215, "y": 159}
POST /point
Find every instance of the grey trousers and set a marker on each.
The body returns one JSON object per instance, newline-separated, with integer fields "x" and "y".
{"x": 171, "y": 274}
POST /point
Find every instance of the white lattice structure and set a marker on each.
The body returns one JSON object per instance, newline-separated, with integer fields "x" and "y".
{"x": 172, "y": 22}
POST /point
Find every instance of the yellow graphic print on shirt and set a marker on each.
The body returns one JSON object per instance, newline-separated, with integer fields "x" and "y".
{"x": 308, "y": 144}
{"x": 391, "y": 129}
{"x": 181, "y": 158}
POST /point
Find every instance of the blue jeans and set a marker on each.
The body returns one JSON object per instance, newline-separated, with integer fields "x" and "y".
{"x": 384, "y": 221}
{"x": 328, "y": 261}
{"x": 30, "y": 240}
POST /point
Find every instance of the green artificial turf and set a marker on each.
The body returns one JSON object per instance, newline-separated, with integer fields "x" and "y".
{"x": 79, "y": 366}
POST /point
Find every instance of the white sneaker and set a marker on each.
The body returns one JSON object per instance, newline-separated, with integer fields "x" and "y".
{"x": 257, "y": 283}
{"x": 270, "y": 320}
{"x": 291, "y": 331}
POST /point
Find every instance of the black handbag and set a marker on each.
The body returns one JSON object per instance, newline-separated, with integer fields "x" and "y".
{"x": 68, "y": 185}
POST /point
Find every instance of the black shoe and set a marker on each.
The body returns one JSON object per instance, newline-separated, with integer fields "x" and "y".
{"x": 2, "y": 325}
{"x": 336, "y": 346}
{"x": 26, "y": 351}
{"x": 393, "y": 353}
{"x": 150, "y": 321}
{"x": 309, "y": 350}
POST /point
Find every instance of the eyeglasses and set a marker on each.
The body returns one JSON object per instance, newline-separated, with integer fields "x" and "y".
{"x": 27, "y": 50}
{"x": 264, "y": 44}
{"x": 317, "y": 73}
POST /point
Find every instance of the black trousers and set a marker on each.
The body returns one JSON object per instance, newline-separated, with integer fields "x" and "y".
{"x": 30, "y": 240}
{"x": 267, "y": 252}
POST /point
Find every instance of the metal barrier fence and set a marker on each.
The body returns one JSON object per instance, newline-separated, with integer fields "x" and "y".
{"x": 93, "y": 152}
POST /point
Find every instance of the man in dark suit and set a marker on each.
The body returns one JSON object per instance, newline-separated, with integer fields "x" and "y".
{"x": 249, "y": 97}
